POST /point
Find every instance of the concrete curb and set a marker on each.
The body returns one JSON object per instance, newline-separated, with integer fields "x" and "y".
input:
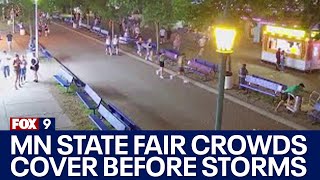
{"x": 258, "y": 110}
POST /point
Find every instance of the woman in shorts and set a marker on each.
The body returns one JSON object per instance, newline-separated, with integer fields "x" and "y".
{"x": 161, "y": 64}
{"x": 16, "y": 67}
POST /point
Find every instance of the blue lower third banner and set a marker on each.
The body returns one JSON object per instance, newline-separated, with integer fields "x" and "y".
{"x": 160, "y": 154}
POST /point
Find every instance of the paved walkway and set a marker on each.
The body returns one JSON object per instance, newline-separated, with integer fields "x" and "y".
{"x": 32, "y": 100}
{"x": 133, "y": 86}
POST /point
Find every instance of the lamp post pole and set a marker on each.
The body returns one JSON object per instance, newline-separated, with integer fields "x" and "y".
{"x": 36, "y": 29}
{"x": 222, "y": 74}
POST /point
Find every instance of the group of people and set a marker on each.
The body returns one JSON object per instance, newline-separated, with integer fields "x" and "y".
{"x": 19, "y": 66}
{"x": 112, "y": 45}
{"x": 281, "y": 58}
{"x": 43, "y": 27}
{"x": 294, "y": 90}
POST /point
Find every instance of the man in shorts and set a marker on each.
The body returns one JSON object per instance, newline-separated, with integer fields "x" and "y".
{"x": 9, "y": 41}
{"x": 162, "y": 35}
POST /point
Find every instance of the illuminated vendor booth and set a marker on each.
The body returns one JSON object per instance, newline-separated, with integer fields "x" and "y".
{"x": 301, "y": 49}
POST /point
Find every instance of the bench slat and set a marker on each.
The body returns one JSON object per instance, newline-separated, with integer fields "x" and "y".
{"x": 98, "y": 122}
{"x": 94, "y": 96}
{"x": 86, "y": 100}
{"x": 123, "y": 117}
{"x": 116, "y": 123}
{"x": 61, "y": 81}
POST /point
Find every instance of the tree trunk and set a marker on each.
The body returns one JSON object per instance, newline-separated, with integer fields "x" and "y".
{"x": 112, "y": 28}
{"x": 157, "y": 35}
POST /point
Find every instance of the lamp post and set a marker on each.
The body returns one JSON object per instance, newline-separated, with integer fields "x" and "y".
{"x": 224, "y": 42}
{"x": 36, "y": 28}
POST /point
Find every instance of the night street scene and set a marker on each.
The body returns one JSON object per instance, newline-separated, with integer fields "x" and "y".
{"x": 161, "y": 64}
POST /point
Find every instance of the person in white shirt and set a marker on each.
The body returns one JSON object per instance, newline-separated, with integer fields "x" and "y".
{"x": 108, "y": 46}
{"x": 115, "y": 44}
{"x": 5, "y": 63}
{"x": 137, "y": 31}
{"x": 162, "y": 35}
{"x": 149, "y": 50}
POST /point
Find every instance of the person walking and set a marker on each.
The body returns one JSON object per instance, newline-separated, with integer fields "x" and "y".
{"x": 108, "y": 46}
{"x": 35, "y": 67}
{"x": 181, "y": 61}
{"x": 243, "y": 72}
{"x": 16, "y": 66}
{"x": 40, "y": 29}
{"x": 46, "y": 30}
{"x": 5, "y": 63}
{"x": 23, "y": 70}
{"x": 149, "y": 50}
{"x": 115, "y": 44}
{"x": 278, "y": 59}
{"x": 9, "y": 41}
{"x": 282, "y": 60}
{"x": 294, "y": 90}
{"x": 162, "y": 34}
{"x": 161, "y": 64}
{"x": 139, "y": 45}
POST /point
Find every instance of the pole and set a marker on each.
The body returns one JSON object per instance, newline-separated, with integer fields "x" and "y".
{"x": 219, "y": 109}
{"x": 36, "y": 29}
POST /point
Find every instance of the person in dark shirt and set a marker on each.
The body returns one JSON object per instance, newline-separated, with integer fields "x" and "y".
{"x": 243, "y": 72}
{"x": 278, "y": 57}
{"x": 9, "y": 41}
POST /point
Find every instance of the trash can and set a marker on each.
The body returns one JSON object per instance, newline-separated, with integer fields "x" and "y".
{"x": 22, "y": 32}
{"x": 74, "y": 25}
{"x": 228, "y": 81}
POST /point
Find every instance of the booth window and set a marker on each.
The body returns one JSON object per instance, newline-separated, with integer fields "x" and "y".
{"x": 290, "y": 47}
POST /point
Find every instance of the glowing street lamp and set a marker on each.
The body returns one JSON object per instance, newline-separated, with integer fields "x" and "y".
{"x": 224, "y": 43}
{"x": 225, "y": 39}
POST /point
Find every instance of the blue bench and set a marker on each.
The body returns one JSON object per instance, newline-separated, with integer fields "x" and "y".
{"x": 121, "y": 116}
{"x": 45, "y": 52}
{"x": 68, "y": 20}
{"x": 89, "y": 97}
{"x": 86, "y": 26}
{"x": 56, "y": 16}
{"x": 107, "y": 115}
{"x": 171, "y": 55}
{"x": 263, "y": 85}
{"x": 315, "y": 113}
{"x": 96, "y": 29}
{"x": 202, "y": 68}
{"x": 126, "y": 40}
{"x": 144, "y": 46}
{"x": 64, "y": 79}
{"x": 104, "y": 33}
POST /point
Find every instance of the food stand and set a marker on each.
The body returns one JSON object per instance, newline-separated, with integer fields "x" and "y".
{"x": 302, "y": 51}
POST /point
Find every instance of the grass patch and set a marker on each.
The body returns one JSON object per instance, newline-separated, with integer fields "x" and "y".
{"x": 75, "y": 109}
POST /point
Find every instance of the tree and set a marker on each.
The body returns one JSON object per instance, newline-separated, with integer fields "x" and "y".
{"x": 25, "y": 9}
{"x": 158, "y": 12}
